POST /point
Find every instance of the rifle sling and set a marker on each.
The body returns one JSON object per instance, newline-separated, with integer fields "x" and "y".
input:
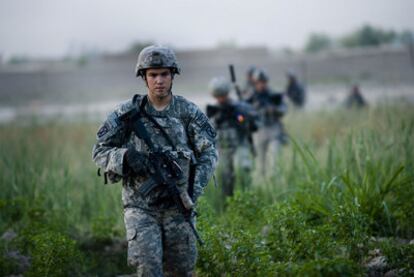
{"x": 156, "y": 124}
{"x": 142, "y": 132}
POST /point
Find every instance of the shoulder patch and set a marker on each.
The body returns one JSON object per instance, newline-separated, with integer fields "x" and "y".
{"x": 200, "y": 118}
{"x": 209, "y": 129}
{"x": 205, "y": 126}
{"x": 111, "y": 125}
{"x": 202, "y": 121}
{"x": 103, "y": 130}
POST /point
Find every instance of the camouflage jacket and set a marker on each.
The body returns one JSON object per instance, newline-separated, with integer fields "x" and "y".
{"x": 270, "y": 106}
{"x": 190, "y": 131}
{"x": 234, "y": 122}
{"x": 248, "y": 90}
{"x": 296, "y": 92}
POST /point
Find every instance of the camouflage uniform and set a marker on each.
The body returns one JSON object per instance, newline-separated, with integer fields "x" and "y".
{"x": 233, "y": 121}
{"x": 295, "y": 91}
{"x": 160, "y": 241}
{"x": 270, "y": 134}
{"x": 248, "y": 89}
{"x": 355, "y": 98}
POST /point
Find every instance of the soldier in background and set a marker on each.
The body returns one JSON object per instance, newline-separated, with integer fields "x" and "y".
{"x": 161, "y": 239}
{"x": 234, "y": 121}
{"x": 271, "y": 108}
{"x": 249, "y": 87}
{"x": 355, "y": 98}
{"x": 294, "y": 90}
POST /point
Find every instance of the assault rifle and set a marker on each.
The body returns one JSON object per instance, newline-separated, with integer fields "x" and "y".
{"x": 240, "y": 97}
{"x": 165, "y": 171}
{"x": 223, "y": 113}
{"x": 233, "y": 80}
{"x": 276, "y": 99}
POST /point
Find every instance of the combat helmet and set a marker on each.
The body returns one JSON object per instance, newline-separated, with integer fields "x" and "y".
{"x": 260, "y": 75}
{"x": 291, "y": 73}
{"x": 156, "y": 56}
{"x": 219, "y": 86}
{"x": 251, "y": 70}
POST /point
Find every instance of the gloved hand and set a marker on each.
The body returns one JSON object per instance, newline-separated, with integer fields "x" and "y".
{"x": 137, "y": 161}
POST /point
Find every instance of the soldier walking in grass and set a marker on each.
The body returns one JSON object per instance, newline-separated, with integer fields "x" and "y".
{"x": 234, "y": 121}
{"x": 249, "y": 86}
{"x": 355, "y": 98}
{"x": 163, "y": 149}
{"x": 295, "y": 90}
{"x": 270, "y": 107}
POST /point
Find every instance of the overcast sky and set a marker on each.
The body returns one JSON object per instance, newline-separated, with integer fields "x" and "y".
{"x": 56, "y": 28}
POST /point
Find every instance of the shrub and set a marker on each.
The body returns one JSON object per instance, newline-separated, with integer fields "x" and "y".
{"x": 54, "y": 254}
{"x": 399, "y": 256}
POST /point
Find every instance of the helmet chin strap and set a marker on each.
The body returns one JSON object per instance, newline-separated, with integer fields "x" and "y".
{"x": 172, "y": 79}
{"x": 169, "y": 91}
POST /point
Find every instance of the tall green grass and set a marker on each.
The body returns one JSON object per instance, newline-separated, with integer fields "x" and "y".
{"x": 345, "y": 176}
{"x": 49, "y": 168}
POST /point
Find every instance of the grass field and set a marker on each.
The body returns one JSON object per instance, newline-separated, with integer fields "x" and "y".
{"x": 344, "y": 187}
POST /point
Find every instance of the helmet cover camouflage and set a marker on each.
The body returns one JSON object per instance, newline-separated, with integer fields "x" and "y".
{"x": 219, "y": 86}
{"x": 156, "y": 56}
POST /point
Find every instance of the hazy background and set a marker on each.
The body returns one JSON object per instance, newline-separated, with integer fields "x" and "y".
{"x": 55, "y": 54}
{"x": 56, "y": 28}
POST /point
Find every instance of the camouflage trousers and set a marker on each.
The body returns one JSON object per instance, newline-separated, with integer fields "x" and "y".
{"x": 234, "y": 160}
{"x": 160, "y": 243}
{"x": 267, "y": 144}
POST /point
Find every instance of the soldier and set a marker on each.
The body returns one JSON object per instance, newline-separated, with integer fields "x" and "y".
{"x": 355, "y": 98}
{"x": 294, "y": 90}
{"x": 249, "y": 87}
{"x": 271, "y": 108}
{"x": 160, "y": 145}
{"x": 234, "y": 121}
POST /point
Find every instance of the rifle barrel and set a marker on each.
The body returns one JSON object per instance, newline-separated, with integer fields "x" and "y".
{"x": 233, "y": 80}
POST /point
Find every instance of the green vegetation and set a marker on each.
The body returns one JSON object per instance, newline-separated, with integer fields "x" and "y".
{"x": 345, "y": 180}
{"x": 365, "y": 36}
{"x": 369, "y": 36}
{"x": 318, "y": 42}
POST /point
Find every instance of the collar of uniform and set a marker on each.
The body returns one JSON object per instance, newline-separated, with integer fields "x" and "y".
{"x": 151, "y": 110}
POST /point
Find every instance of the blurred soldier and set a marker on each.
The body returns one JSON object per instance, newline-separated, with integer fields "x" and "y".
{"x": 355, "y": 98}
{"x": 249, "y": 87}
{"x": 234, "y": 121}
{"x": 294, "y": 90}
{"x": 271, "y": 108}
{"x": 163, "y": 148}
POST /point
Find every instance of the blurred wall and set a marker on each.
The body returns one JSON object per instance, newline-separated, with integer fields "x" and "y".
{"x": 112, "y": 76}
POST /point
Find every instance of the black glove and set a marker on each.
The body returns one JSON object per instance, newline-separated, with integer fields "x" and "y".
{"x": 137, "y": 162}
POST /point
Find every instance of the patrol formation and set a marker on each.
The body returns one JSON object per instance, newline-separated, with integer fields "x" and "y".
{"x": 164, "y": 150}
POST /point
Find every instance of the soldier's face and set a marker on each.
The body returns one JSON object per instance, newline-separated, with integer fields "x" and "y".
{"x": 260, "y": 86}
{"x": 222, "y": 99}
{"x": 159, "y": 81}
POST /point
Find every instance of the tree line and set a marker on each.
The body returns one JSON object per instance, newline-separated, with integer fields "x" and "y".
{"x": 365, "y": 36}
